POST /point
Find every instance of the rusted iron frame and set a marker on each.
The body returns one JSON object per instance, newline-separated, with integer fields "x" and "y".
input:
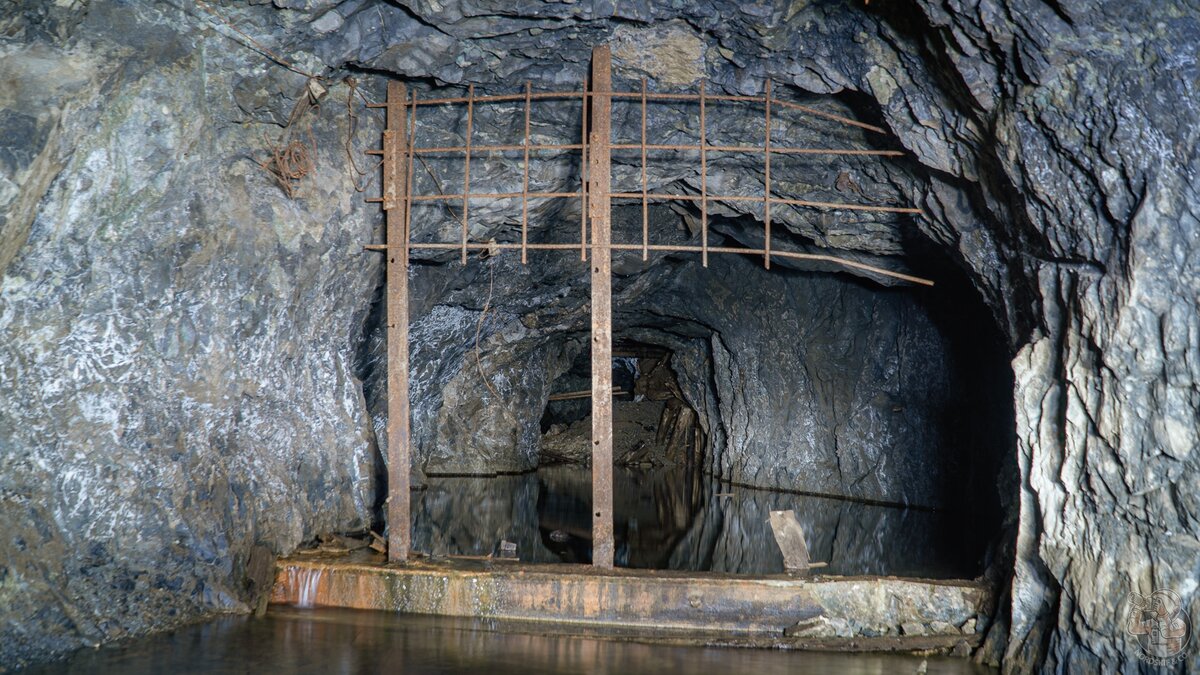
{"x": 767, "y": 177}
{"x": 599, "y": 212}
{"x": 399, "y": 453}
{"x": 467, "y": 168}
{"x": 645, "y": 201}
{"x": 670, "y": 248}
{"x": 595, "y": 194}
{"x": 525, "y": 183}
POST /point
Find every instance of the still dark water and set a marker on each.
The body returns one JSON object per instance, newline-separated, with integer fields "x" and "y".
{"x": 682, "y": 520}
{"x": 346, "y": 641}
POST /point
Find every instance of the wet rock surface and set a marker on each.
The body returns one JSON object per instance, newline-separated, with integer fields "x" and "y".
{"x": 182, "y": 345}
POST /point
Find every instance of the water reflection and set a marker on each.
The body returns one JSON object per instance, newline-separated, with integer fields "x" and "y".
{"x": 679, "y": 519}
{"x": 346, "y": 641}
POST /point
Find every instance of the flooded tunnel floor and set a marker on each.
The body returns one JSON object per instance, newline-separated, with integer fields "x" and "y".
{"x": 680, "y": 519}
{"x": 348, "y": 641}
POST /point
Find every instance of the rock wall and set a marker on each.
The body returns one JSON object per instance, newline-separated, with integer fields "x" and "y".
{"x": 177, "y": 353}
{"x": 181, "y": 344}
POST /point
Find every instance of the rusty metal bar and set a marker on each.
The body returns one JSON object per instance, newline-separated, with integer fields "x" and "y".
{"x": 483, "y": 149}
{"x": 494, "y": 195}
{"x": 703, "y": 181}
{"x": 645, "y": 202}
{"x": 525, "y": 184}
{"x": 399, "y": 453}
{"x": 497, "y": 98}
{"x": 565, "y": 147}
{"x": 755, "y": 150}
{"x": 658, "y": 97}
{"x": 467, "y": 167}
{"x": 774, "y": 200}
{"x": 583, "y": 172}
{"x": 667, "y": 248}
{"x": 599, "y": 181}
{"x": 767, "y": 178}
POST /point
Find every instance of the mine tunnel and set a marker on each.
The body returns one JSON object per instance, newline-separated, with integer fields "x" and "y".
{"x": 881, "y": 414}
{"x": 588, "y": 336}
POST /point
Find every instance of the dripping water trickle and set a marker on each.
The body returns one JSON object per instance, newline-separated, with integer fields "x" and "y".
{"x": 307, "y": 581}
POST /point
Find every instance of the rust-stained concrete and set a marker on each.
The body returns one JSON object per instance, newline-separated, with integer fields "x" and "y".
{"x": 817, "y": 612}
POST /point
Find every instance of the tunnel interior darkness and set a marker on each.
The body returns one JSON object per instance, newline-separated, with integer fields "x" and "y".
{"x": 881, "y": 415}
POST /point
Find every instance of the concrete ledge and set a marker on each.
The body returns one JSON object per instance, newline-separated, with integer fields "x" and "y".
{"x": 828, "y": 613}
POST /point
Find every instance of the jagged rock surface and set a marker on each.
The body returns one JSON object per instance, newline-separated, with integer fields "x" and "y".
{"x": 1054, "y": 151}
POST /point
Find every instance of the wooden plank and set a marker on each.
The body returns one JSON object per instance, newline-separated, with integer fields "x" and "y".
{"x": 395, "y": 212}
{"x": 599, "y": 186}
{"x": 790, "y": 537}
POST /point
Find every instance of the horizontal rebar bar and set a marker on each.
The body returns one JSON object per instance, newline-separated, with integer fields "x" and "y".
{"x": 493, "y": 195}
{"x": 773, "y": 200}
{"x": 758, "y": 149}
{"x": 667, "y": 197}
{"x": 479, "y": 149}
{"x": 652, "y": 97}
{"x": 750, "y": 149}
{"x": 668, "y": 248}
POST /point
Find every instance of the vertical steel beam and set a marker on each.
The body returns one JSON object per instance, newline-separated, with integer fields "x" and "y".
{"x": 599, "y": 187}
{"x": 396, "y": 149}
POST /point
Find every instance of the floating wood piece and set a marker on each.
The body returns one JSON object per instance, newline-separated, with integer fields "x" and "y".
{"x": 378, "y": 543}
{"x": 508, "y": 550}
{"x": 790, "y": 537}
{"x": 599, "y": 186}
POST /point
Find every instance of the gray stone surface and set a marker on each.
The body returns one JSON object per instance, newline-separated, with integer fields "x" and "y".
{"x": 181, "y": 344}
{"x": 177, "y": 358}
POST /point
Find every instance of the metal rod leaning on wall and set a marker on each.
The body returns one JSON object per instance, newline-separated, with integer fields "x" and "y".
{"x": 408, "y": 191}
{"x": 467, "y": 167}
{"x": 525, "y": 184}
{"x": 645, "y": 202}
{"x": 767, "y": 177}
{"x": 583, "y": 173}
{"x": 703, "y": 181}
{"x": 396, "y": 203}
